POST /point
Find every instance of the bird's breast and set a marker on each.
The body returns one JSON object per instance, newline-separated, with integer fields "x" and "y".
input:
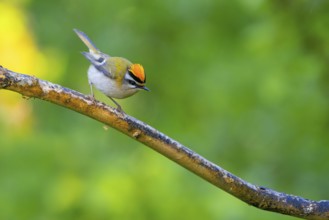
{"x": 110, "y": 87}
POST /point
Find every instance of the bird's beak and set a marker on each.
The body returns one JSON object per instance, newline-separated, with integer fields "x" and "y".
{"x": 145, "y": 88}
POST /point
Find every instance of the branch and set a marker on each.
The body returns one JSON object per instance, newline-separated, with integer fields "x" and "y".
{"x": 260, "y": 197}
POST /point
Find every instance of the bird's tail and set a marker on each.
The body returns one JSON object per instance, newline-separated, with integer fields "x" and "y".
{"x": 85, "y": 39}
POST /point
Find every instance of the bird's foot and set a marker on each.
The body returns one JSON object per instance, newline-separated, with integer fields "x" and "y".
{"x": 92, "y": 98}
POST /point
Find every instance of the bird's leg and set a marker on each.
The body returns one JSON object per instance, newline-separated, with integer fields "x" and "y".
{"x": 117, "y": 104}
{"x": 91, "y": 96}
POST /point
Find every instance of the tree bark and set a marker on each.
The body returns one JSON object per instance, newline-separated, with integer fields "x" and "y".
{"x": 260, "y": 197}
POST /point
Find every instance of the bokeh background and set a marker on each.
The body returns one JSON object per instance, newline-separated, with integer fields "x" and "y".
{"x": 243, "y": 82}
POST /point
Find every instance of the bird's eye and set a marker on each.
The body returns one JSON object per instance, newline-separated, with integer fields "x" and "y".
{"x": 101, "y": 59}
{"x": 132, "y": 82}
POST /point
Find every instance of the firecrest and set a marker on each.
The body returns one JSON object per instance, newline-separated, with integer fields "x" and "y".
{"x": 116, "y": 77}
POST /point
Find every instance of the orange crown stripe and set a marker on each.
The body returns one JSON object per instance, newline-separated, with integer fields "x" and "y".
{"x": 138, "y": 71}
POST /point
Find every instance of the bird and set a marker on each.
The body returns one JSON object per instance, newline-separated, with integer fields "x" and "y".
{"x": 116, "y": 77}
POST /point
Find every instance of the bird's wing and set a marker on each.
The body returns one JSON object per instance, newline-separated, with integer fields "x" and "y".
{"x": 100, "y": 62}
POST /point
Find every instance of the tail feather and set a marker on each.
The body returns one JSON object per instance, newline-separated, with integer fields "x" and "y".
{"x": 85, "y": 39}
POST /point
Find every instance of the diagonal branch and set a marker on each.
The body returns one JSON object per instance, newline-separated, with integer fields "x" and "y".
{"x": 260, "y": 197}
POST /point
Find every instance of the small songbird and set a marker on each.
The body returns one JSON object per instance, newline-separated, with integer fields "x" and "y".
{"x": 116, "y": 77}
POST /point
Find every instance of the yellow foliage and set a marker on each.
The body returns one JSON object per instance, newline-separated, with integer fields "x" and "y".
{"x": 19, "y": 52}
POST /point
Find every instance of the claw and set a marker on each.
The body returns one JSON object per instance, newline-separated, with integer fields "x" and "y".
{"x": 92, "y": 98}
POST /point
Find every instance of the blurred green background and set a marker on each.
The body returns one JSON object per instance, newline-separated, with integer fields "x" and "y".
{"x": 243, "y": 82}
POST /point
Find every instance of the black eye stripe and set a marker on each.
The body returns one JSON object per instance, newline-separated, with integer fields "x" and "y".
{"x": 132, "y": 82}
{"x": 135, "y": 78}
